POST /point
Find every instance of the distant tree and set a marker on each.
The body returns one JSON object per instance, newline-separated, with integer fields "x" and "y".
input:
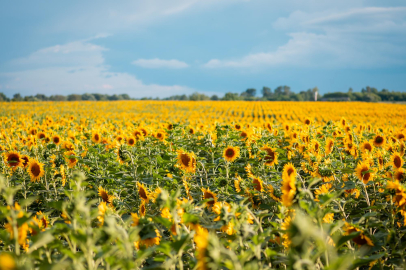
{"x": 197, "y": 96}
{"x": 3, "y": 97}
{"x": 57, "y": 98}
{"x": 214, "y": 97}
{"x": 41, "y": 97}
{"x": 127, "y": 97}
{"x": 231, "y": 96}
{"x": 74, "y": 97}
{"x": 87, "y": 96}
{"x": 17, "y": 97}
{"x": 100, "y": 97}
{"x": 266, "y": 92}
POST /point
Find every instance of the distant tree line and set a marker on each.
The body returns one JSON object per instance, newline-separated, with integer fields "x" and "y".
{"x": 280, "y": 93}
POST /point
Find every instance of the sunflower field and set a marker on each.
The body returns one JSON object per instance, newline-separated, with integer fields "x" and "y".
{"x": 202, "y": 185}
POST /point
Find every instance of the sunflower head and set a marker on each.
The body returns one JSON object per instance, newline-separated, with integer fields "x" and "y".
{"x": 400, "y": 175}
{"x": 237, "y": 127}
{"x": 397, "y": 161}
{"x": 207, "y": 194}
{"x": 25, "y": 160}
{"x": 231, "y": 153}
{"x": 379, "y": 140}
{"x": 143, "y": 192}
{"x": 329, "y": 146}
{"x": 131, "y": 141}
{"x": 271, "y": 156}
{"x": 187, "y": 161}
{"x": 258, "y": 184}
{"x": 363, "y": 172}
{"x": 96, "y": 137}
{"x": 367, "y": 147}
{"x": 36, "y": 170}
{"x": 289, "y": 172}
{"x": 70, "y": 158}
{"x": 13, "y": 160}
{"x": 56, "y": 139}
{"x": 307, "y": 121}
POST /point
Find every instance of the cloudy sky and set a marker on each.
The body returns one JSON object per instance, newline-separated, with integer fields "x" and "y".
{"x": 161, "y": 48}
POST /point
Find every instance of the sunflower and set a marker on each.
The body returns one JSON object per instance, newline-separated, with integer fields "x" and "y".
{"x": 237, "y": 127}
{"x": 258, "y": 184}
{"x": 104, "y": 195}
{"x": 143, "y": 192}
{"x": 329, "y": 146}
{"x": 400, "y": 175}
{"x": 26, "y": 160}
{"x": 363, "y": 172}
{"x": 119, "y": 138}
{"x": 307, "y": 121}
{"x": 191, "y": 131}
{"x": 56, "y": 139}
{"x": 324, "y": 189}
{"x": 289, "y": 172}
{"x": 149, "y": 242}
{"x": 67, "y": 145}
{"x": 131, "y": 141}
{"x": 207, "y": 194}
{"x": 7, "y": 262}
{"x": 271, "y": 157}
{"x": 288, "y": 191}
{"x": 143, "y": 209}
{"x": 138, "y": 135}
{"x": 36, "y": 170}
{"x": 397, "y": 161}
{"x": 121, "y": 157}
{"x": 400, "y": 136}
{"x": 231, "y": 153}
{"x": 367, "y": 147}
{"x": 361, "y": 239}
{"x": 160, "y": 135}
{"x": 42, "y": 220}
{"x": 71, "y": 159}
{"x": 144, "y": 132}
{"x": 379, "y": 141}
{"x": 135, "y": 219}
{"x": 315, "y": 146}
{"x": 13, "y": 160}
{"x": 33, "y": 131}
{"x": 102, "y": 212}
{"x": 187, "y": 161}
{"x": 244, "y": 135}
{"x": 96, "y": 137}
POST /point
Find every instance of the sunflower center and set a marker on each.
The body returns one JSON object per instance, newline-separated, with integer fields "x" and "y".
{"x": 378, "y": 139}
{"x": 142, "y": 193}
{"x": 56, "y": 140}
{"x": 290, "y": 171}
{"x": 97, "y": 137}
{"x": 271, "y": 155}
{"x": 13, "y": 160}
{"x": 307, "y": 122}
{"x": 397, "y": 162}
{"x": 35, "y": 169}
{"x": 243, "y": 134}
{"x": 230, "y": 152}
{"x": 237, "y": 126}
{"x": 400, "y": 176}
{"x": 368, "y": 147}
{"x": 185, "y": 159}
{"x": 365, "y": 176}
{"x": 131, "y": 141}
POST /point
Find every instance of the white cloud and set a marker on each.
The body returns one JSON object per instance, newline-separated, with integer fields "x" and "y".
{"x": 160, "y": 63}
{"x": 361, "y": 37}
{"x": 77, "y": 67}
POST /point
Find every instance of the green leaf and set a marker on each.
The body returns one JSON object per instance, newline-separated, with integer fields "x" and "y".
{"x": 40, "y": 241}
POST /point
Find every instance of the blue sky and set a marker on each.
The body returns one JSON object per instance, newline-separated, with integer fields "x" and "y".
{"x": 158, "y": 48}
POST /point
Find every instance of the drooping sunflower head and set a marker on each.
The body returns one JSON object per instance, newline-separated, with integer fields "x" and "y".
{"x": 186, "y": 161}
{"x": 271, "y": 156}
{"x": 231, "y": 153}
{"x": 36, "y": 170}
{"x": 104, "y": 195}
{"x": 143, "y": 192}
{"x": 13, "y": 160}
{"x": 379, "y": 141}
{"x": 207, "y": 194}
{"x": 363, "y": 173}
{"x": 397, "y": 161}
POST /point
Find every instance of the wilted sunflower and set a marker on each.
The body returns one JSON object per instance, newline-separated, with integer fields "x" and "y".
{"x": 187, "y": 161}
{"x": 207, "y": 194}
{"x": 271, "y": 157}
{"x": 13, "y": 160}
{"x": 379, "y": 141}
{"x": 143, "y": 192}
{"x": 231, "y": 153}
{"x": 96, "y": 137}
{"x": 70, "y": 158}
{"x": 36, "y": 170}
{"x": 363, "y": 173}
{"x": 396, "y": 160}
